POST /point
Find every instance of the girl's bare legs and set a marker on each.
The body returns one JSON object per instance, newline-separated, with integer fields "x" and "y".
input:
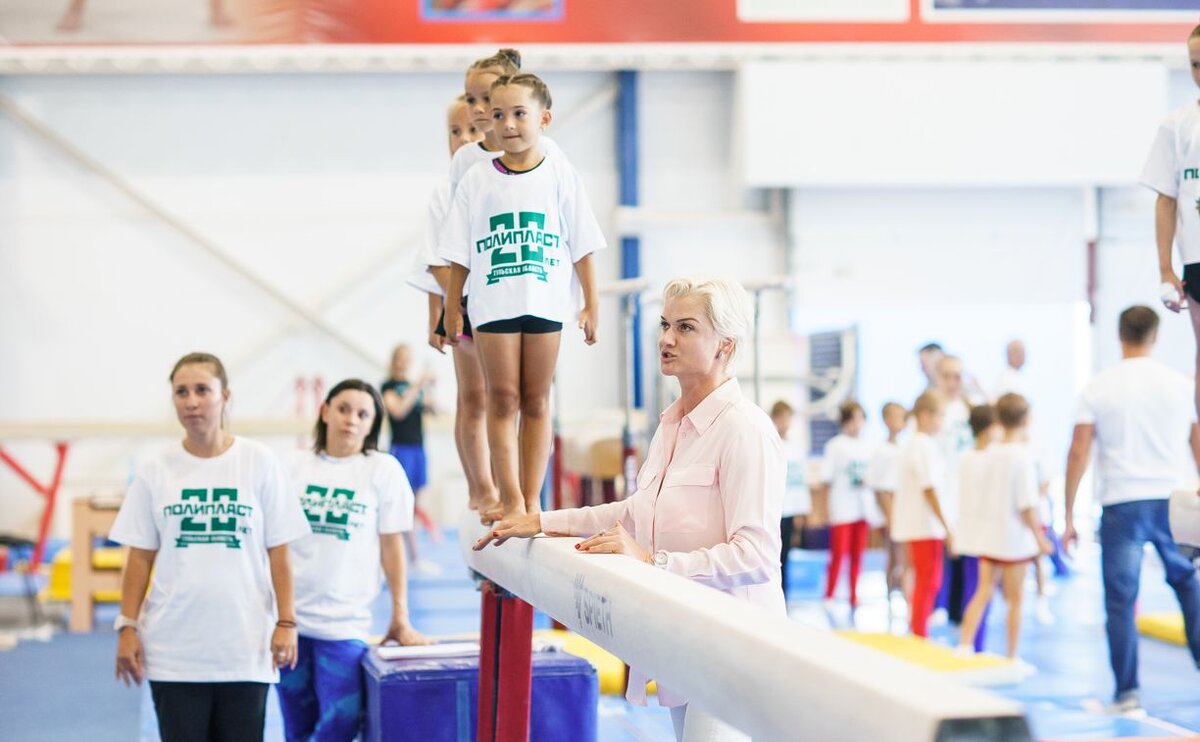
{"x": 501, "y": 357}
{"x": 217, "y": 15}
{"x": 72, "y": 17}
{"x": 539, "y": 355}
{"x": 470, "y": 427}
{"x": 979, "y": 601}
{"x": 1012, "y": 579}
{"x": 1194, "y": 313}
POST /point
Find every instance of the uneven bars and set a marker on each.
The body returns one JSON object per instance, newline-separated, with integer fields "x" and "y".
{"x": 764, "y": 674}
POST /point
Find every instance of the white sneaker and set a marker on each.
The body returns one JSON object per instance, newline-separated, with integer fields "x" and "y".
{"x": 939, "y": 617}
{"x": 964, "y": 650}
{"x": 1130, "y": 708}
{"x": 426, "y": 568}
{"x": 1025, "y": 668}
{"x": 1042, "y": 612}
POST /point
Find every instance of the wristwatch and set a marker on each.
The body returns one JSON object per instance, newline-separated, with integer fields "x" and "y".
{"x": 125, "y": 622}
{"x": 660, "y": 559}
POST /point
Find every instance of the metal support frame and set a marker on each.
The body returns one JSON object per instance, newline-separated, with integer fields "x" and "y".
{"x": 756, "y": 289}
{"x": 48, "y": 135}
{"x": 48, "y": 491}
{"x": 629, "y": 164}
{"x": 505, "y": 666}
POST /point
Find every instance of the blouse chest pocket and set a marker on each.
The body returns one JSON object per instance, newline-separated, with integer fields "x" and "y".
{"x": 647, "y": 477}
{"x": 689, "y": 499}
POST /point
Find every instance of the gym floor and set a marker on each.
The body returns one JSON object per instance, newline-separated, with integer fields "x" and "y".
{"x": 63, "y": 688}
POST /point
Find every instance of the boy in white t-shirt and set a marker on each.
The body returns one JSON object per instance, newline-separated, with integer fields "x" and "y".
{"x": 881, "y": 477}
{"x": 1173, "y": 172}
{"x": 1006, "y": 534}
{"x": 797, "y": 501}
{"x": 843, "y": 479}
{"x": 917, "y": 519}
{"x": 972, "y": 495}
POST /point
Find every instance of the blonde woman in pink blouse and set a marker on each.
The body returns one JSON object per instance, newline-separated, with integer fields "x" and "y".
{"x": 710, "y": 494}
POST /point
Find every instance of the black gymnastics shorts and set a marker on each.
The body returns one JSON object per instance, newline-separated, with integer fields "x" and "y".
{"x": 1191, "y": 281}
{"x": 527, "y": 324}
{"x": 441, "y": 327}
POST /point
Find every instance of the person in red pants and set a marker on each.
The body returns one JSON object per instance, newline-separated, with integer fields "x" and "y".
{"x": 917, "y": 518}
{"x": 843, "y": 479}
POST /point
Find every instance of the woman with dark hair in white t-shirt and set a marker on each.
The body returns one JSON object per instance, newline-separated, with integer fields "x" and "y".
{"x": 359, "y": 503}
{"x": 212, "y": 517}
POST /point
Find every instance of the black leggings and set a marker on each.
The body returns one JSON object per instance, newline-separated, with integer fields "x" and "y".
{"x": 787, "y": 526}
{"x": 209, "y": 712}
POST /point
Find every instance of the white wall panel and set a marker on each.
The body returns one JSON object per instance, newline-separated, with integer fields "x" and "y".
{"x": 947, "y": 123}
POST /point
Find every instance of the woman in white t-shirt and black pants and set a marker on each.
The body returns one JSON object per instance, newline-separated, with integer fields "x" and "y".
{"x": 359, "y": 503}
{"x": 212, "y": 517}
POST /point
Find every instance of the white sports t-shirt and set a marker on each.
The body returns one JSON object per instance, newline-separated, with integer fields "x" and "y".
{"x": 349, "y": 502}
{"x": 797, "y": 499}
{"x": 920, "y": 467}
{"x": 844, "y": 469}
{"x": 520, "y": 236}
{"x": 211, "y": 607}
{"x": 435, "y": 217}
{"x": 1011, "y": 381}
{"x": 1142, "y": 412}
{"x": 883, "y": 468}
{"x": 955, "y": 440}
{"x": 1008, "y": 476}
{"x": 1173, "y": 169}
{"x": 470, "y": 155}
{"x": 972, "y": 497}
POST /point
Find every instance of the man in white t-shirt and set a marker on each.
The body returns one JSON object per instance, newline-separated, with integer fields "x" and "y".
{"x": 1139, "y": 414}
{"x": 1011, "y": 380}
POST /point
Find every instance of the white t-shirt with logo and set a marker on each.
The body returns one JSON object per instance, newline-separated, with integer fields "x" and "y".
{"x": 349, "y": 502}
{"x": 211, "y": 608}
{"x": 844, "y": 469}
{"x": 919, "y": 467}
{"x": 883, "y": 469}
{"x": 520, "y": 236}
{"x": 1173, "y": 169}
{"x": 469, "y": 155}
{"x": 955, "y": 440}
{"x": 1142, "y": 412}
{"x": 972, "y": 501}
{"x": 1008, "y": 479}
{"x": 435, "y": 217}
{"x": 797, "y": 499}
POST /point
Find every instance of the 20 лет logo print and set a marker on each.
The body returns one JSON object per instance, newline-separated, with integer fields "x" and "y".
{"x": 329, "y": 513}
{"x": 209, "y": 521}
{"x": 525, "y": 233}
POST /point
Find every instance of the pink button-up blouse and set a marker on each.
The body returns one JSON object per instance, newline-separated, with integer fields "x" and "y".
{"x": 710, "y": 496}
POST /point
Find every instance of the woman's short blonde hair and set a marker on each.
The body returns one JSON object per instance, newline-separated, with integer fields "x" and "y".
{"x": 726, "y": 304}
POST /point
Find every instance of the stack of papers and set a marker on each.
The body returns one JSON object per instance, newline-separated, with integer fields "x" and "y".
{"x": 429, "y": 651}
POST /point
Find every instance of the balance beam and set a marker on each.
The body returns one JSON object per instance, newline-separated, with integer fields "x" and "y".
{"x": 762, "y": 673}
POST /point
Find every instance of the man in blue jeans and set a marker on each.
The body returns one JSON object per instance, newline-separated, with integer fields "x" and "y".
{"x": 1141, "y": 416}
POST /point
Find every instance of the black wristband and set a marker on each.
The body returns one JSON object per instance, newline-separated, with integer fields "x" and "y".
{"x": 286, "y": 624}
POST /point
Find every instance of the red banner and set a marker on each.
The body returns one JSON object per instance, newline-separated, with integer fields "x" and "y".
{"x": 104, "y": 22}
